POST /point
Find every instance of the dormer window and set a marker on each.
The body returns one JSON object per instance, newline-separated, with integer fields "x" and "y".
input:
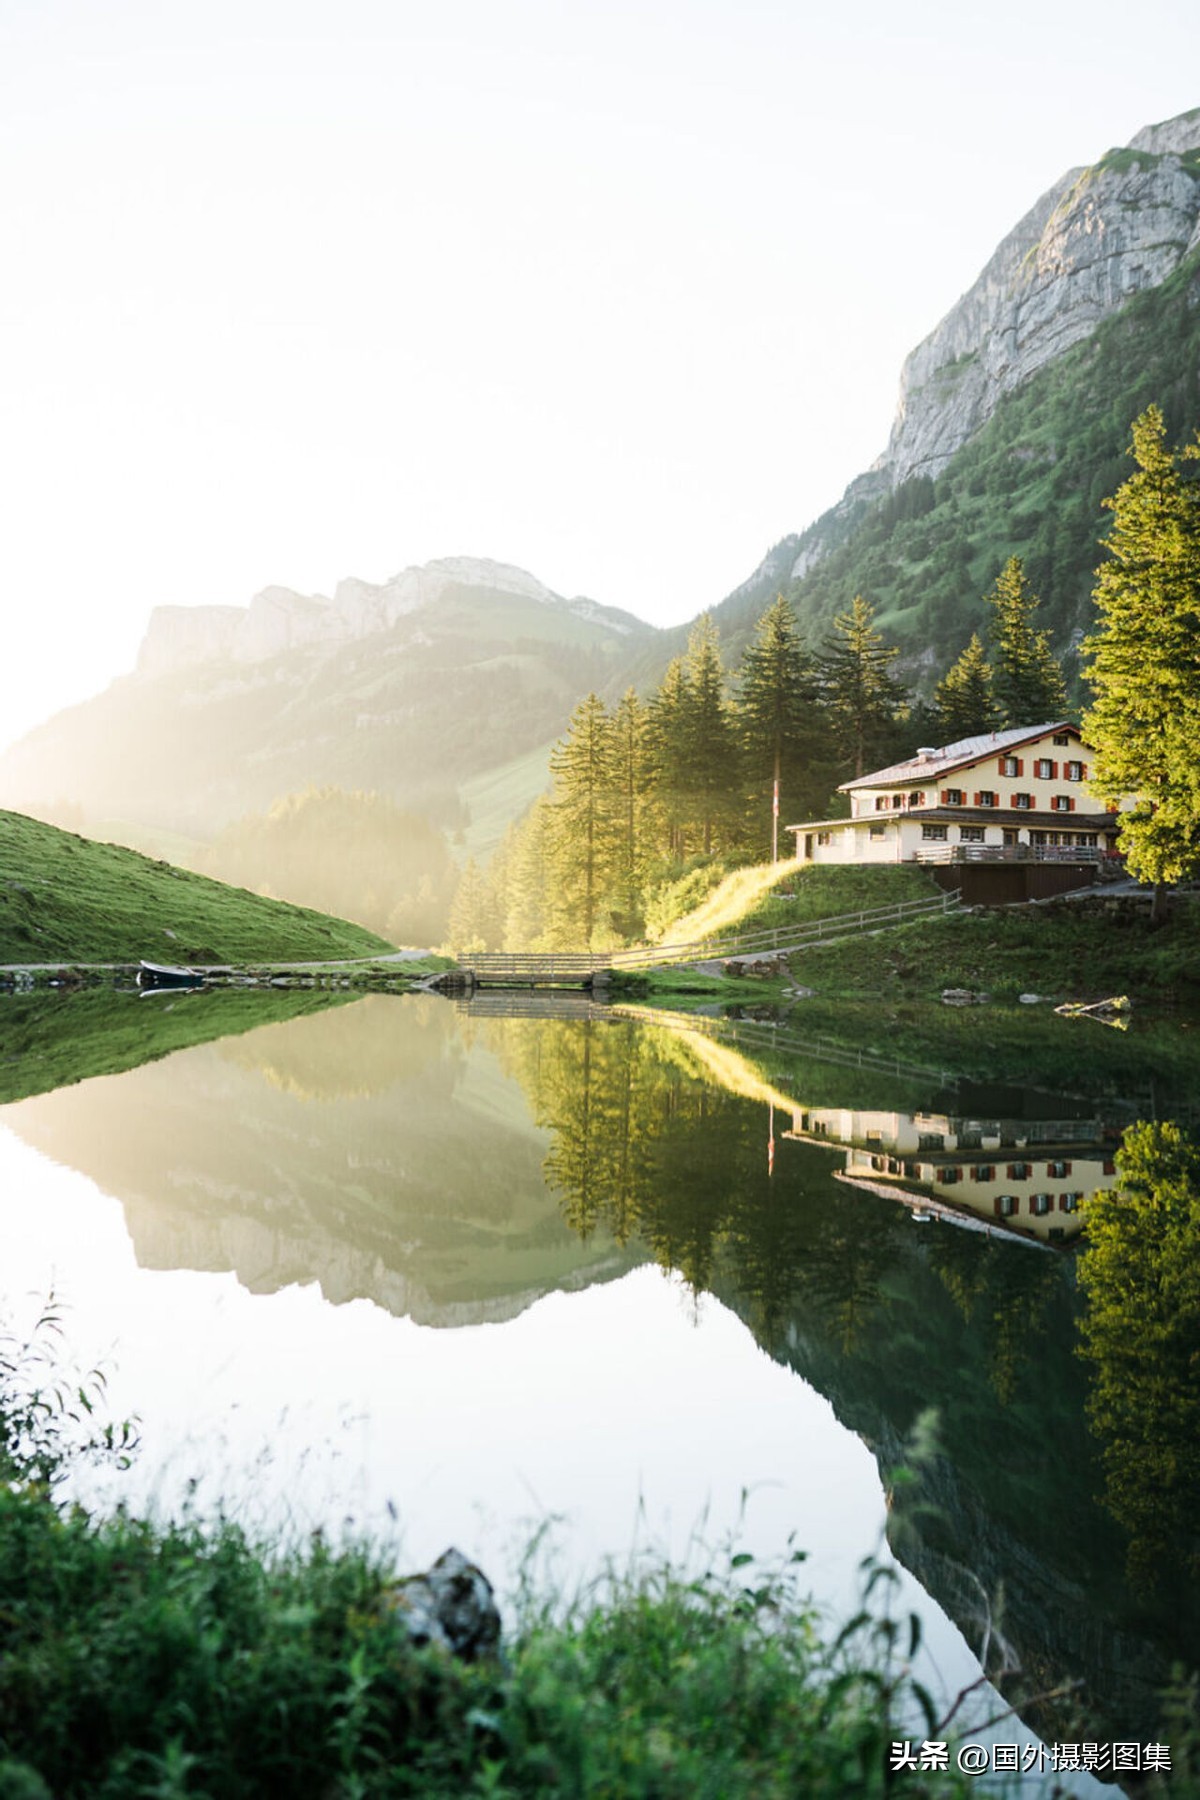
{"x": 1062, "y": 737}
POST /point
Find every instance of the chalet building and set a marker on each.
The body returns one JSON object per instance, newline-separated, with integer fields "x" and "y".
{"x": 1017, "y": 795}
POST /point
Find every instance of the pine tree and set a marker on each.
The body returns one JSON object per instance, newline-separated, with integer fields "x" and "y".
{"x": 632, "y": 784}
{"x": 966, "y": 706}
{"x": 1027, "y": 680}
{"x": 710, "y": 739}
{"x": 468, "y": 911}
{"x": 668, "y": 747}
{"x": 861, "y": 693}
{"x": 782, "y": 724}
{"x": 1144, "y": 725}
{"x": 582, "y": 810}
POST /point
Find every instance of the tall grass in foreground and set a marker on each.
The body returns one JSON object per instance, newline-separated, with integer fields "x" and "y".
{"x": 152, "y": 1662}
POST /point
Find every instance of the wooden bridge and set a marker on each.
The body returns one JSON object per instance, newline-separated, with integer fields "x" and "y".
{"x": 594, "y": 969}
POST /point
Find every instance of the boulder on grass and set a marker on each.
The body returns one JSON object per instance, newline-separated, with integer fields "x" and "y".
{"x": 452, "y": 1605}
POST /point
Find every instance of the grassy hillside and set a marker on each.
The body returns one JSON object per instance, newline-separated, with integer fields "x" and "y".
{"x": 770, "y": 896}
{"x": 1030, "y": 484}
{"x": 66, "y": 899}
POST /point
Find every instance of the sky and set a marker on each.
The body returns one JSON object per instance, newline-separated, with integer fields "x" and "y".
{"x": 616, "y": 292}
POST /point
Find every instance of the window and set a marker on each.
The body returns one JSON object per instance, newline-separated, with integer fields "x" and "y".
{"x": 985, "y": 1172}
{"x": 915, "y": 799}
{"x": 930, "y": 1140}
{"x": 1058, "y": 1171}
{"x": 1062, "y": 803}
{"x": 971, "y": 834}
{"x": 986, "y": 797}
{"x": 1006, "y": 1205}
{"x": 1011, "y": 765}
{"x": 1019, "y": 1171}
{"x": 1086, "y": 838}
{"x": 1045, "y": 770}
{"x": 953, "y": 797}
{"x": 1075, "y": 771}
{"x": 1042, "y": 1204}
{"x": 1062, "y": 737}
{"x": 881, "y": 803}
{"x": 934, "y": 833}
{"x": 897, "y": 802}
{"x": 1022, "y": 802}
{"x": 879, "y": 831}
{"x": 1069, "y": 1202}
{"x": 1011, "y": 837}
{"x": 948, "y": 1177}
{"x": 824, "y": 837}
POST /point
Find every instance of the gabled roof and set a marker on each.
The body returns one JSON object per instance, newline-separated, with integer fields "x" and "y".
{"x": 957, "y": 756}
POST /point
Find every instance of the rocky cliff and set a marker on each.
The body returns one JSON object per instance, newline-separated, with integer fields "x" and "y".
{"x": 1099, "y": 236}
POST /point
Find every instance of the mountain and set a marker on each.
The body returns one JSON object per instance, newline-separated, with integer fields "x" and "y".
{"x": 410, "y": 688}
{"x": 442, "y": 688}
{"x": 1014, "y": 414}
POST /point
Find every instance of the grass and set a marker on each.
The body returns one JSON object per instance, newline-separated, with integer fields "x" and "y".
{"x": 65, "y": 898}
{"x": 163, "y": 1661}
{"x": 754, "y": 899}
{"x": 1080, "y": 949}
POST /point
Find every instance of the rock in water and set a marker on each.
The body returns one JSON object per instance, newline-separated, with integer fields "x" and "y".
{"x": 452, "y": 1605}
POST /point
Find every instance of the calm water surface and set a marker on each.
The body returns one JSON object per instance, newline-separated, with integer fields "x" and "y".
{"x": 447, "y": 1275}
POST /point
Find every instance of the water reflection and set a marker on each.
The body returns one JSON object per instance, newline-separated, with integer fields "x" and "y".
{"x": 455, "y": 1167}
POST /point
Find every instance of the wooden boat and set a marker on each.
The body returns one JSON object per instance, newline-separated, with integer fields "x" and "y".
{"x": 163, "y": 975}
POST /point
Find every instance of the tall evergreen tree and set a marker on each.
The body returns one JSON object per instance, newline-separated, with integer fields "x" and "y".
{"x": 1027, "y": 680}
{"x": 582, "y": 834}
{"x": 963, "y": 698}
{"x": 710, "y": 737}
{"x": 1144, "y": 725}
{"x": 861, "y": 693}
{"x": 632, "y": 784}
{"x": 782, "y": 723}
{"x": 668, "y": 747}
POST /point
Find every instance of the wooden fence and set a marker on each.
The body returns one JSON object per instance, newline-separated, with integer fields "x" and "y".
{"x": 576, "y": 966}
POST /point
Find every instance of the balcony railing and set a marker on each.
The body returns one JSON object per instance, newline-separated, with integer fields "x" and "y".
{"x": 1014, "y": 853}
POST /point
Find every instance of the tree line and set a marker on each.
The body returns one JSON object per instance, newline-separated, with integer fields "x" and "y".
{"x": 653, "y": 798}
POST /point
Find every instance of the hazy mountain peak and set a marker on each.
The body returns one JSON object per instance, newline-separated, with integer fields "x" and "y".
{"x": 278, "y": 619}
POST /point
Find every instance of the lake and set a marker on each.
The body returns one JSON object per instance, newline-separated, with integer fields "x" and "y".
{"x": 603, "y": 1282}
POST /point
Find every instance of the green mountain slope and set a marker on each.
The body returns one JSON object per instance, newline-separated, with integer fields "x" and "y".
{"x": 65, "y": 898}
{"x": 1030, "y": 484}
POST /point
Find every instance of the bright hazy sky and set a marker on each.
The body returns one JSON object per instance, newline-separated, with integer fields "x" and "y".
{"x": 616, "y": 292}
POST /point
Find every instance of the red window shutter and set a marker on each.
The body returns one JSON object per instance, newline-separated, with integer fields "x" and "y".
{"x": 996, "y": 1206}
{"x": 1110, "y": 1168}
{"x": 1067, "y": 1167}
{"x": 1062, "y": 1203}
{"x": 1000, "y": 761}
{"x": 1012, "y": 1171}
{"x": 1020, "y": 766}
{"x": 979, "y": 799}
{"x": 1070, "y": 803}
{"x": 1054, "y": 771}
{"x": 945, "y": 795}
{"x": 1083, "y": 771}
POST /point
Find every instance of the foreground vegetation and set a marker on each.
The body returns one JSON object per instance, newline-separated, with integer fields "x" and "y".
{"x": 64, "y": 898}
{"x": 143, "y": 1661}
{"x": 1073, "y": 949}
{"x": 169, "y": 1660}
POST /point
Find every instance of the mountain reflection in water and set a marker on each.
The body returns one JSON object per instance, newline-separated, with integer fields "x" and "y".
{"x": 453, "y": 1168}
